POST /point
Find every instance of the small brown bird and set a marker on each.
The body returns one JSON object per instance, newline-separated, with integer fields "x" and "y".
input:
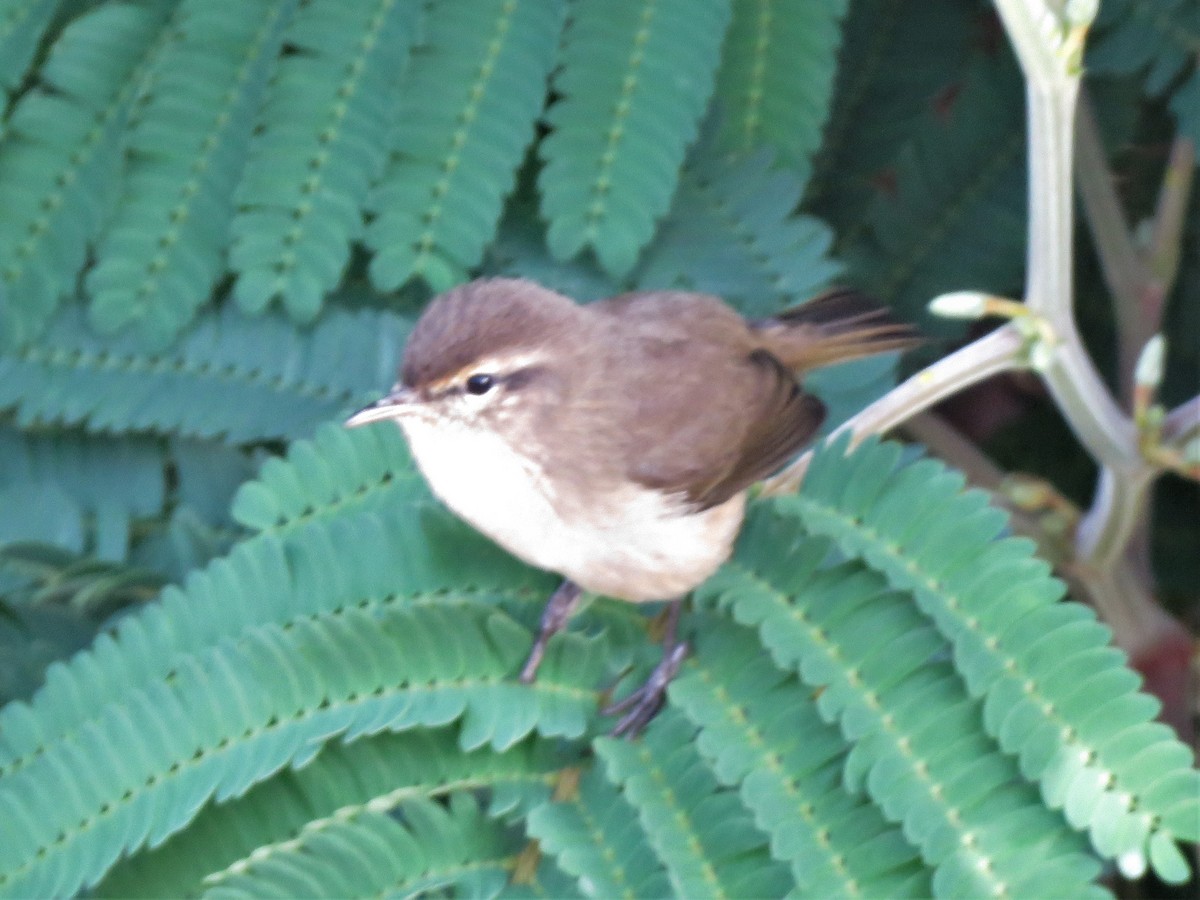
{"x": 614, "y": 442}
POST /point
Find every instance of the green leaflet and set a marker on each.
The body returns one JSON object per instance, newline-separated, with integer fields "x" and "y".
{"x": 775, "y": 82}
{"x": 321, "y": 141}
{"x": 230, "y": 377}
{"x": 634, "y": 81}
{"x": 1053, "y": 692}
{"x": 1160, "y": 40}
{"x": 284, "y": 814}
{"x": 467, "y": 111}
{"x": 164, "y": 251}
{"x": 60, "y": 159}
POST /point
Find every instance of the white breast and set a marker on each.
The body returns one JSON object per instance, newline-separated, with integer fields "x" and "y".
{"x": 642, "y": 545}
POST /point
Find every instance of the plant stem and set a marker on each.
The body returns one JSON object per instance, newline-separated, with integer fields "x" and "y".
{"x": 999, "y": 351}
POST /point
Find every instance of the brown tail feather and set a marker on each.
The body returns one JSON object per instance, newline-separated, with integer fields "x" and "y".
{"x": 836, "y": 326}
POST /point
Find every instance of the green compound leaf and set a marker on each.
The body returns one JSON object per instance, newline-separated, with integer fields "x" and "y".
{"x": 919, "y": 747}
{"x": 60, "y": 160}
{"x": 284, "y": 814}
{"x": 321, "y": 140}
{"x": 776, "y": 78}
{"x": 164, "y": 251}
{"x": 702, "y": 834}
{"x": 471, "y": 96}
{"x": 594, "y": 834}
{"x": 229, "y": 377}
{"x": 1054, "y": 692}
{"x": 231, "y": 716}
{"x": 634, "y": 81}
{"x": 76, "y": 492}
{"x": 761, "y": 732}
{"x": 732, "y": 232}
{"x": 422, "y": 848}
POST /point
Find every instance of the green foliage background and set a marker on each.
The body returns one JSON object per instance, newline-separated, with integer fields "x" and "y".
{"x": 218, "y": 219}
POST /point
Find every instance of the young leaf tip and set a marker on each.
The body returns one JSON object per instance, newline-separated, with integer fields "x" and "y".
{"x": 1148, "y": 372}
{"x": 959, "y": 305}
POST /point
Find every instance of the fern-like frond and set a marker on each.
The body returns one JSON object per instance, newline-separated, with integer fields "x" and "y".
{"x": 230, "y": 377}
{"x": 471, "y": 96}
{"x": 1055, "y": 692}
{"x": 338, "y": 469}
{"x": 705, "y": 838}
{"x": 164, "y": 250}
{"x": 898, "y": 59}
{"x": 284, "y": 813}
{"x": 321, "y": 141}
{"x": 78, "y": 492}
{"x": 360, "y": 561}
{"x": 22, "y": 25}
{"x": 230, "y": 716}
{"x": 60, "y": 159}
{"x": 732, "y": 232}
{"x": 957, "y": 214}
{"x": 868, "y": 649}
{"x": 1161, "y": 39}
{"x": 594, "y": 834}
{"x": 776, "y": 78}
{"x": 761, "y": 732}
{"x": 424, "y": 848}
{"x": 634, "y": 82}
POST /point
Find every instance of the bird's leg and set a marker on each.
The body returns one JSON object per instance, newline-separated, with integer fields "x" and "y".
{"x": 559, "y": 607}
{"x": 642, "y": 705}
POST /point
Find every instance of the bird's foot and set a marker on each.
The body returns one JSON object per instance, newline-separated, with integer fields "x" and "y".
{"x": 644, "y": 704}
{"x": 559, "y": 607}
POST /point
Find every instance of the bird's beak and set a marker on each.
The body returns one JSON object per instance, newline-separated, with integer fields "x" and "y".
{"x": 393, "y": 406}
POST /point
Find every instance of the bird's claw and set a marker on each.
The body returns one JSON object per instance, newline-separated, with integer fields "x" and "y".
{"x": 643, "y": 704}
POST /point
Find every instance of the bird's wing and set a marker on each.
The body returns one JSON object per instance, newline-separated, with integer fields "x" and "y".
{"x": 752, "y": 424}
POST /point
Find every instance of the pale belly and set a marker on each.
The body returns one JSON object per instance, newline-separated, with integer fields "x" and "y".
{"x": 640, "y": 546}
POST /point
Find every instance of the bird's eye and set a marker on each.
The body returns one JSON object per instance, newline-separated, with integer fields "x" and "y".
{"x": 480, "y": 384}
